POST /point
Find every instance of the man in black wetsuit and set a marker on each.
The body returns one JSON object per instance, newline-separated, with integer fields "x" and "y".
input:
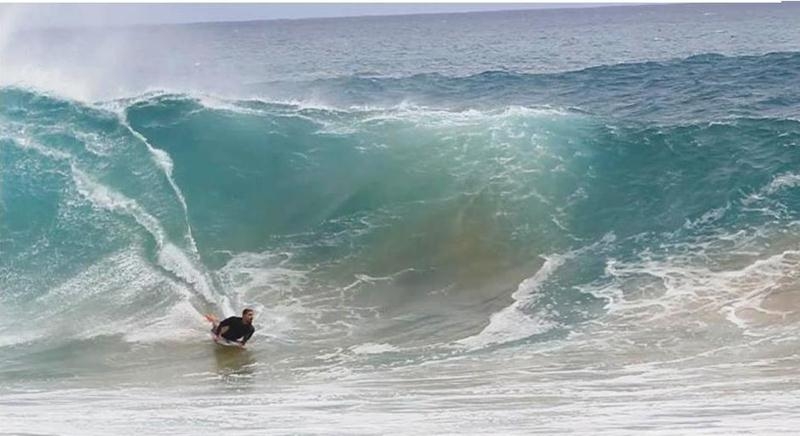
{"x": 237, "y": 329}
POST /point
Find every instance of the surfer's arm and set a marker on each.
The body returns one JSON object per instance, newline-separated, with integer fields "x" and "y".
{"x": 247, "y": 337}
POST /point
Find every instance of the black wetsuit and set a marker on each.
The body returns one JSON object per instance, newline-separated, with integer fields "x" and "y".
{"x": 236, "y": 329}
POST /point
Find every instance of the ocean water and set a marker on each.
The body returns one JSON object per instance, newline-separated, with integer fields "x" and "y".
{"x": 581, "y": 221}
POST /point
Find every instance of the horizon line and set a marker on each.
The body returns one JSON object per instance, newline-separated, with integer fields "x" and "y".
{"x": 554, "y": 8}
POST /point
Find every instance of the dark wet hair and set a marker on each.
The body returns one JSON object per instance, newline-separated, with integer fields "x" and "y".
{"x": 244, "y": 312}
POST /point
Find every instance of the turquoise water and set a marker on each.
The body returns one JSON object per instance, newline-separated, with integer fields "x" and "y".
{"x": 553, "y": 221}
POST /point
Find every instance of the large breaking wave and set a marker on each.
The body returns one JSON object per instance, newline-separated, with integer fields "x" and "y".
{"x": 409, "y": 222}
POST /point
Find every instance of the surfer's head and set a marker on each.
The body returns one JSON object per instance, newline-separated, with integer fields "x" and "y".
{"x": 247, "y": 316}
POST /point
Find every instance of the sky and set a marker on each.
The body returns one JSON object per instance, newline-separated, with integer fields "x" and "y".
{"x": 82, "y": 15}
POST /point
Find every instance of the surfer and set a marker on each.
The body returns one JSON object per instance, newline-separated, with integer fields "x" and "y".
{"x": 236, "y": 329}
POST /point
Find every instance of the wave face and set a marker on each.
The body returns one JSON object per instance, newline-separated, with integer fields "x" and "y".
{"x": 387, "y": 207}
{"x": 480, "y": 238}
